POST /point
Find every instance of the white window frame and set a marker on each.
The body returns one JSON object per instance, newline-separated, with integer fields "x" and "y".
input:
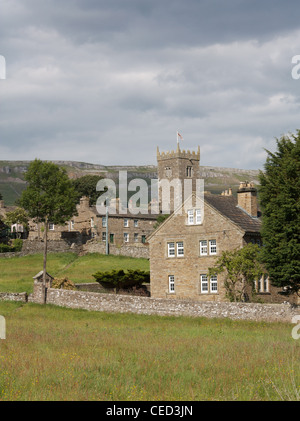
{"x": 51, "y": 226}
{"x": 198, "y": 217}
{"x": 126, "y": 237}
{"x": 203, "y": 282}
{"x": 136, "y": 223}
{"x": 104, "y": 221}
{"x": 203, "y": 246}
{"x": 180, "y": 249}
{"x": 92, "y": 222}
{"x": 136, "y": 237}
{"x": 72, "y": 224}
{"x": 103, "y": 235}
{"x": 171, "y": 284}
{"x": 214, "y": 284}
{"x": 171, "y": 249}
{"x": 126, "y": 222}
{"x": 211, "y": 246}
{"x": 190, "y": 217}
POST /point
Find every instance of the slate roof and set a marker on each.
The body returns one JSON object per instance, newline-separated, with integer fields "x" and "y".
{"x": 227, "y": 205}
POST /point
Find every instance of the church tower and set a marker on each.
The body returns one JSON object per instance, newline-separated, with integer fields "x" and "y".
{"x": 177, "y": 165}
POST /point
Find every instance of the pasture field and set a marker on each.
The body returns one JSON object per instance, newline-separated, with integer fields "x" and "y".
{"x": 53, "y": 353}
{"x": 16, "y": 273}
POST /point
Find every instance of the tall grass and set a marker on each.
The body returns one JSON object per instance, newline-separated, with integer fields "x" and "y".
{"x": 52, "y": 353}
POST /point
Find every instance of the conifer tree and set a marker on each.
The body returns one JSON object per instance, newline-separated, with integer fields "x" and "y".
{"x": 280, "y": 202}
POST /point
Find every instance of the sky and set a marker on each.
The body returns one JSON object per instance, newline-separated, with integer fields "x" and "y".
{"x": 107, "y": 81}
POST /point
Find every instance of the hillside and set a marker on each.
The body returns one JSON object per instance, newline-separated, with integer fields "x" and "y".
{"x": 216, "y": 178}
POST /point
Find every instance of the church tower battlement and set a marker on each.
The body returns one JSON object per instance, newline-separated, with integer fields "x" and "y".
{"x": 178, "y": 165}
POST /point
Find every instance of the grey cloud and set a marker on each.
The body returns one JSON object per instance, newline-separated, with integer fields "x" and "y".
{"x": 108, "y": 81}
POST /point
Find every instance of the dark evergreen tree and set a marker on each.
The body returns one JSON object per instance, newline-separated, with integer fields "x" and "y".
{"x": 280, "y": 201}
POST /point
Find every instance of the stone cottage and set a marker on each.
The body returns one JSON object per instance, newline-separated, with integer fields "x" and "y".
{"x": 187, "y": 244}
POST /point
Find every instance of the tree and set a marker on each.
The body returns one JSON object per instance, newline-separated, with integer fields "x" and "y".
{"x": 242, "y": 267}
{"x": 17, "y": 216}
{"x": 49, "y": 197}
{"x": 280, "y": 202}
{"x": 1, "y": 197}
{"x": 86, "y": 186}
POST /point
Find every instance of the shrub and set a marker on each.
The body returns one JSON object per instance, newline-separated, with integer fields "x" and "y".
{"x": 5, "y": 248}
{"x": 17, "y": 244}
{"x": 63, "y": 283}
{"x": 119, "y": 279}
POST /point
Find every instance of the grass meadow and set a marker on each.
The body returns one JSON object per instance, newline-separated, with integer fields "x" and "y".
{"x": 16, "y": 273}
{"x": 55, "y": 354}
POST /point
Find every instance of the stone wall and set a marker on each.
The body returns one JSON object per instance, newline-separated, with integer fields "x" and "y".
{"x": 137, "y": 251}
{"x": 11, "y": 296}
{"x": 37, "y": 246}
{"x": 159, "y": 306}
{"x": 53, "y": 246}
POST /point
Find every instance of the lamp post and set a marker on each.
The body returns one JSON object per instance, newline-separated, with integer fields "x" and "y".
{"x": 106, "y": 242}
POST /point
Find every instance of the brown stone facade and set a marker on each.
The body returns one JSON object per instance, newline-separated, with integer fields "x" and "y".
{"x": 183, "y": 249}
{"x": 179, "y": 165}
{"x": 88, "y": 224}
{"x": 78, "y": 229}
{"x": 125, "y": 229}
{"x": 201, "y": 243}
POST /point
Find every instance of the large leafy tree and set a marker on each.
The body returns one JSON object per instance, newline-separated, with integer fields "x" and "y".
{"x": 49, "y": 197}
{"x": 86, "y": 186}
{"x": 280, "y": 201}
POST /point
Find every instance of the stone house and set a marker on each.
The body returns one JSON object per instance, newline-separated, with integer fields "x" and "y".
{"x": 125, "y": 229}
{"x": 16, "y": 228}
{"x": 188, "y": 243}
{"x": 88, "y": 224}
{"x": 79, "y": 229}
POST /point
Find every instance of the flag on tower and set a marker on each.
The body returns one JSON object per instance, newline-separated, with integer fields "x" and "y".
{"x": 179, "y": 136}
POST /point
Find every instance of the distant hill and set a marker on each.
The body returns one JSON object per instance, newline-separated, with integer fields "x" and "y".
{"x": 216, "y": 179}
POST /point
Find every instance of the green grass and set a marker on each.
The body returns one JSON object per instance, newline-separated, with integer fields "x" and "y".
{"x": 16, "y": 274}
{"x": 52, "y": 353}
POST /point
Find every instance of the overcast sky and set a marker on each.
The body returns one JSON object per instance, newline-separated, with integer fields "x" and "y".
{"x": 107, "y": 81}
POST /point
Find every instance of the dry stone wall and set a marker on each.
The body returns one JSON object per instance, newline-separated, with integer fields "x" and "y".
{"x": 166, "y": 307}
{"x": 11, "y": 296}
{"x": 124, "y": 250}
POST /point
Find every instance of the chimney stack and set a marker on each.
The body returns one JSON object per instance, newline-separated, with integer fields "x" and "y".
{"x": 247, "y": 198}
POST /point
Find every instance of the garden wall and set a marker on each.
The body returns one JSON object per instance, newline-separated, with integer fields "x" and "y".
{"x": 166, "y": 307}
{"x": 37, "y": 246}
{"x": 124, "y": 250}
{"x": 11, "y": 296}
